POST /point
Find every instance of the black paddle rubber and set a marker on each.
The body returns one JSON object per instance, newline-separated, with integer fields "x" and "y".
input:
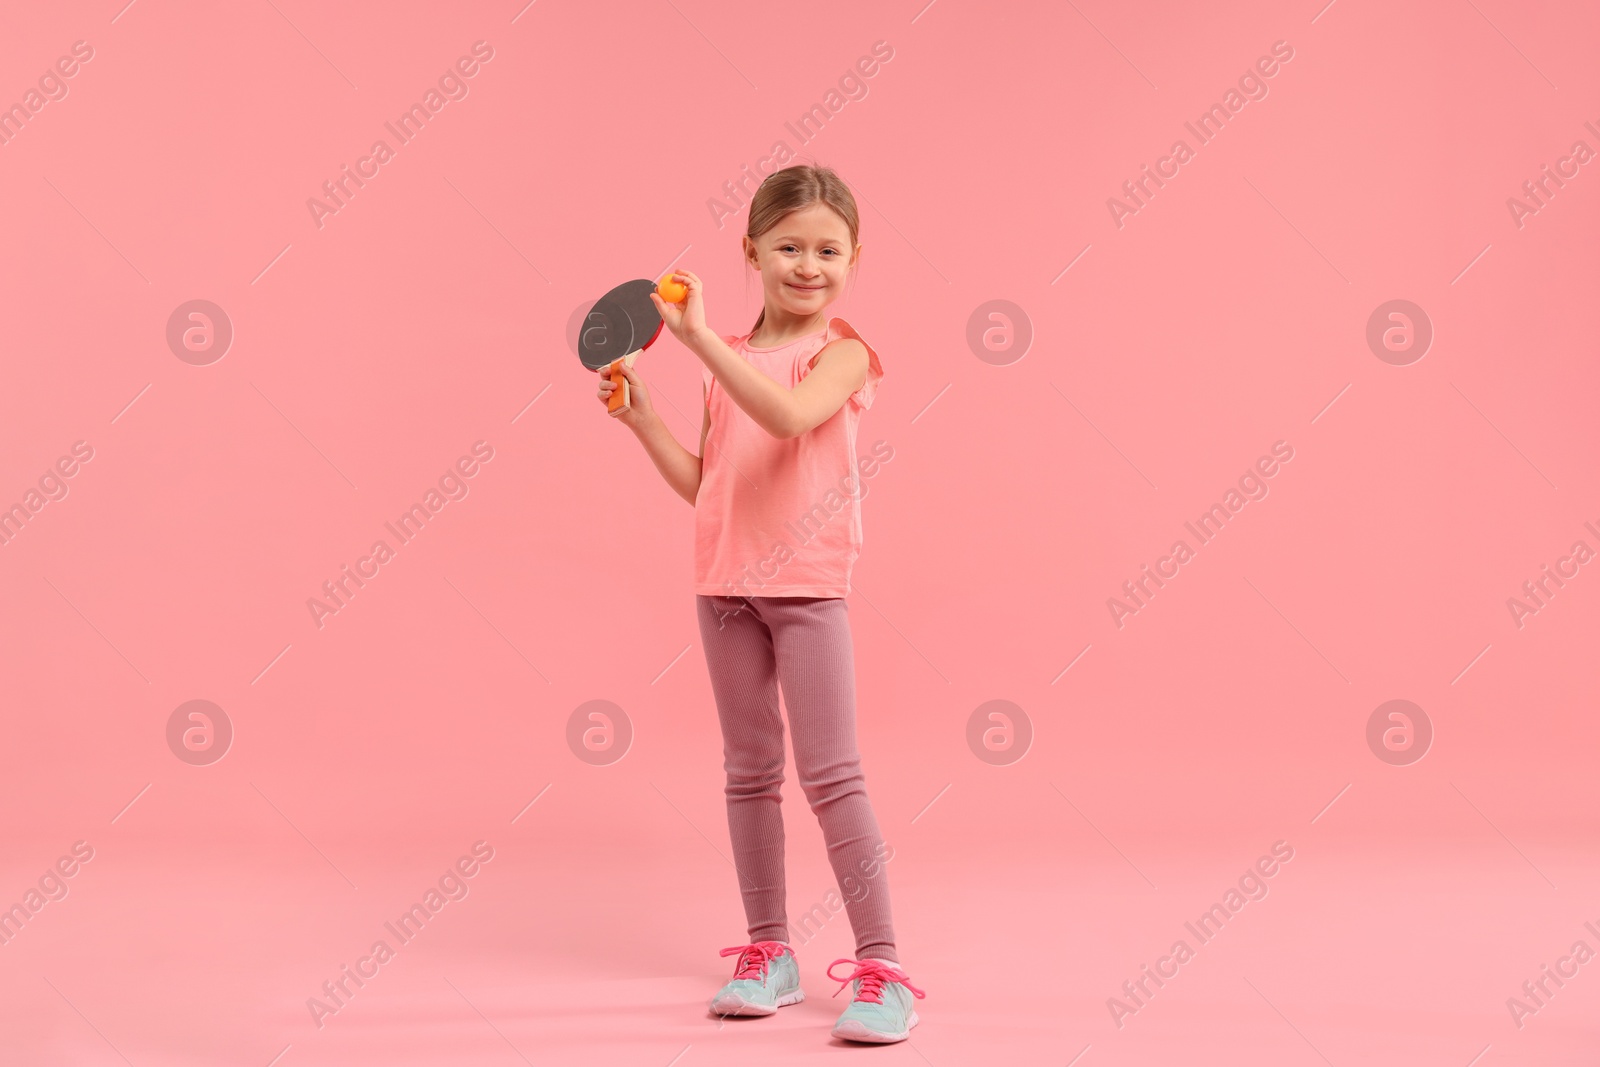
{"x": 622, "y": 321}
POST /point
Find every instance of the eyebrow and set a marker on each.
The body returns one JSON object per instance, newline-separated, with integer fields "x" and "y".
{"x": 825, "y": 240}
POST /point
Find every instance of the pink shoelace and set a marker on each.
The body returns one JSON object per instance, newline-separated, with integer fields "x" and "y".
{"x": 754, "y": 958}
{"x": 872, "y": 974}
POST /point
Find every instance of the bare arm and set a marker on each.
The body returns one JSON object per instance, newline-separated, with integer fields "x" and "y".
{"x": 677, "y": 464}
{"x": 838, "y": 370}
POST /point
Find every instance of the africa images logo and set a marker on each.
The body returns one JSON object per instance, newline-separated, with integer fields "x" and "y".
{"x": 452, "y": 85}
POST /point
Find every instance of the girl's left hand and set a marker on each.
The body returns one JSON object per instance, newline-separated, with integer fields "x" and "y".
{"x": 688, "y": 319}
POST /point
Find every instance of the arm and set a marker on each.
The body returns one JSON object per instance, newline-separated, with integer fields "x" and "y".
{"x": 837, "y": 371}
{"x": 677, "y": 464}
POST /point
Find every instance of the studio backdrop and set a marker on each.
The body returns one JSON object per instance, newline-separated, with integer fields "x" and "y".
{"x": 1224, "y": 622}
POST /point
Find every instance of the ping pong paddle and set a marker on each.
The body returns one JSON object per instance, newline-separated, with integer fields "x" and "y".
{"x": 622, "y": 324}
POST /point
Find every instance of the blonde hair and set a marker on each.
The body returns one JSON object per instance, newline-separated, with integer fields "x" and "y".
{"x": 792, "y": 189}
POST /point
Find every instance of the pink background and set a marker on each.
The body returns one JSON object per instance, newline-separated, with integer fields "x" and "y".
{"x": 435, "y": 310}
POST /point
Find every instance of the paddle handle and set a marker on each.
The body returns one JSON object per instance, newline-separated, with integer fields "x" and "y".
{"x": 621, "y": 400}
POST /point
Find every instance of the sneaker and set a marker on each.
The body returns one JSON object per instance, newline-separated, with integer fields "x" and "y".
{"x": 882, "y": 1009}
{"x": 766, "y": 977}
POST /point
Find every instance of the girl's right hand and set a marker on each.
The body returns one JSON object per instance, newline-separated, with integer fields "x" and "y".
{"x": 640, "y": 410}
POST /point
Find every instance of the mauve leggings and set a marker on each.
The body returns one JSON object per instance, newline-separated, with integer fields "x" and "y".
{"x": 752, "y": 645}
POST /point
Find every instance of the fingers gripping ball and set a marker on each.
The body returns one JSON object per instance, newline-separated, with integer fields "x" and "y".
{"x": 673, "y": 292}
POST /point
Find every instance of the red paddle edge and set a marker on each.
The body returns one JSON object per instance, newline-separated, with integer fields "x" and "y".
{"x": 653, "y": 336}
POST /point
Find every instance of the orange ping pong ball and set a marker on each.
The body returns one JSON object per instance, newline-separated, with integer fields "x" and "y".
{"x": 673, "y": 292}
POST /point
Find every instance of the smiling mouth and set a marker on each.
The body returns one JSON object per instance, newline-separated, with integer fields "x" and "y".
{"x": 806, "y": 288}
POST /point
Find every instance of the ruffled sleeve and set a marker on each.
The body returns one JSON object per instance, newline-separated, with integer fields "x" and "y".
{"x": 862, "y": 397}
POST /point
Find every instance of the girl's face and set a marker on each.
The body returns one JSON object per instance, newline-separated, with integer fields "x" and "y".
{"x": 803, "y": 260}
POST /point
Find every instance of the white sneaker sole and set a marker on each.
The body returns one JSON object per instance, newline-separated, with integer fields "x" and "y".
{"x": 854, "y": 1030}
{"x": 734, "y": 1004}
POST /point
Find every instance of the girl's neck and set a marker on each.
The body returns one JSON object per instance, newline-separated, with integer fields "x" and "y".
{"x": 780, "y": 329}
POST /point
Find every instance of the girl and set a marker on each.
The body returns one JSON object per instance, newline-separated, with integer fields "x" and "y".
{"x": 777, "y": 527}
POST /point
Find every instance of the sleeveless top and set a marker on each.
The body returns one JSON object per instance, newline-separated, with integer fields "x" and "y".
{"x": 780, "y": 517}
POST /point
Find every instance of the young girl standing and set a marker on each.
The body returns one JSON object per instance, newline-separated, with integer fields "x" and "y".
{"x": 776, "y": 494}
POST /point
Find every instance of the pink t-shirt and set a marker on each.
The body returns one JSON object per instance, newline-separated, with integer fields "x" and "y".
{"x": 780, "y": 517}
